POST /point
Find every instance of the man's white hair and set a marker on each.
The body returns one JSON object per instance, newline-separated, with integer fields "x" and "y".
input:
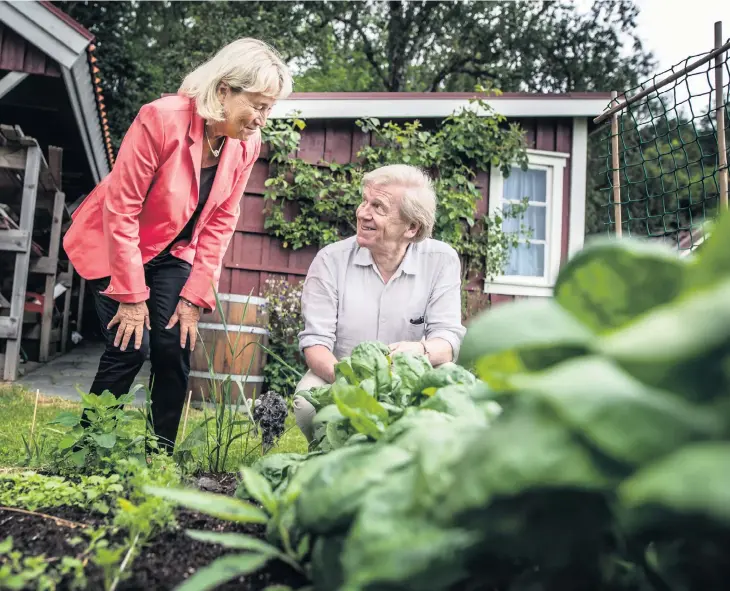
{"x": 247, "y": 65}
{"x": 418, "y": 198}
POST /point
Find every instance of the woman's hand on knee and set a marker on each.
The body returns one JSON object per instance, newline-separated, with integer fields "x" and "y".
{"x": 132, "y": 320}
{"x": 188, "y": 315}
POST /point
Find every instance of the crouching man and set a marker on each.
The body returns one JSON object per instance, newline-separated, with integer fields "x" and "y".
{"x": 390, "y": 283}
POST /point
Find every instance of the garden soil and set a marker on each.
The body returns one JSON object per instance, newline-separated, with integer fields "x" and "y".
{"x": 165, "y": 562}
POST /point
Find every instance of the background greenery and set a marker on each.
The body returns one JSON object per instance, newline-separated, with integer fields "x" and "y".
{"x": 145, "y": 48}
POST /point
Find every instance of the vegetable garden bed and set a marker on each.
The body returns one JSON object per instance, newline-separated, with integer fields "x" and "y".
{"x": 586, "y": 448}
{"x": 163, "y": 564}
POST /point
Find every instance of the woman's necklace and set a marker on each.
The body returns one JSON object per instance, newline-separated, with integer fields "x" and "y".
{"x": 217, "y": 152}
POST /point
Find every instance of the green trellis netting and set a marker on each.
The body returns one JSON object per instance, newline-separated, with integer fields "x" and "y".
{"x": 668, "y": 157}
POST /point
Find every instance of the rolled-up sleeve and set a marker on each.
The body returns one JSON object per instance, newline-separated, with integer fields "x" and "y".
{"x": 319, "y": 305}
{"x": 443, "y": 311}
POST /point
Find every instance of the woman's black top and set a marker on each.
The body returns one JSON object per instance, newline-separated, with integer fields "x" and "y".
{"x": 207, "y": 175}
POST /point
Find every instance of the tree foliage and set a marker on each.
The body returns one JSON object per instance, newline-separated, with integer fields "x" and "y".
{"x": 145, "y": 48}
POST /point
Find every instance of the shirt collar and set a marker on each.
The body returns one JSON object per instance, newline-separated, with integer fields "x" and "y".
{"x": 409, "y": 265}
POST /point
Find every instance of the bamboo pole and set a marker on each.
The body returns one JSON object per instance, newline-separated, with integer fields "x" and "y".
{"x": 614, "y": 167}
{"x": 720, "y": 117}
{"x": 187, "y": 411}
{"x": 35, "y": 413}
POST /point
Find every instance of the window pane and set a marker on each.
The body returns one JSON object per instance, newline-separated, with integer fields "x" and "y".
{"x": 533, "y": 218}
{"x": 526, "y": 183}
{"x": 526, "y": 261}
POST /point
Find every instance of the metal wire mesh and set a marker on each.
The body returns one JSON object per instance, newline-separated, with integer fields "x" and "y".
{"x": 668, "y": 157}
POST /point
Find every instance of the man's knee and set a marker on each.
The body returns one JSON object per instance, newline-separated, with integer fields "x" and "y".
{"x": 304, "y": 415}
{"x": 309, "y": 381}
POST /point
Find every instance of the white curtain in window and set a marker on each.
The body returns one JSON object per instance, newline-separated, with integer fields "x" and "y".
{"x": 527, "y": 260}
{"x": 530, "y": 183}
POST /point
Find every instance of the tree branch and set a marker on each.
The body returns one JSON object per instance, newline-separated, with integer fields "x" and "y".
{"x": 367, "y": 47}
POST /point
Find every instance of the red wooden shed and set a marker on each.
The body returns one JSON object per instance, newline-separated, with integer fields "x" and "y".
{"x": 557, "y": 127}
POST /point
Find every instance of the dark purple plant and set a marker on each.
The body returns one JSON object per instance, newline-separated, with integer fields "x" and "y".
{"x": 270, "y": 414}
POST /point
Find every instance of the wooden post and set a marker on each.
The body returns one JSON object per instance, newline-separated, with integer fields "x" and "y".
{"x": 80, "y": 309}
{"x": 67, "y": 307}
{"x": 614, "y": 167}
{"x": 22, "y": 261}
{"x": 720, "y": 118}
{"x": 48, "y": 301}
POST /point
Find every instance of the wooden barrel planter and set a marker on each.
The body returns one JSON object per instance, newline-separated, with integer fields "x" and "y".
{"x": 227, "y": 346}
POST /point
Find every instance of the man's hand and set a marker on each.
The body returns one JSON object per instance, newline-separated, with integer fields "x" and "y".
{"x": 188, "y": 315}
{"x": 132, "y": 319}
{"x": 412, "y": 347}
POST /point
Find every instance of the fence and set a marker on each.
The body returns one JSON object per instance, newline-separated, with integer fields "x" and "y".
{"x": 665, "y": 151}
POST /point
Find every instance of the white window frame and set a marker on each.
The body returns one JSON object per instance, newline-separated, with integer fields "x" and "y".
{"x": 554, "y": 164}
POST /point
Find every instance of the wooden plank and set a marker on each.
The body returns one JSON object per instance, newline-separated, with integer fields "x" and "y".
{"x": 43, "y": 266}
{"x": 55, "y": 158}
{"x": 12, "y": 56}
{"x": 53, "y": 248}
{"x": 22, "y": 260}
{"x": 13, "y": 157}
{"x": 338, "y": 143}
{"x": 34, "y": 334}
{"x": 66, "y": 308}
{"x": 9, "y": 328}
{"x": 563, "y": 143}
{"x": 545, "y": 135}
{"x": 80, "y": 309}
{"x": 14, "y": 240}
{"x": 12, "y": 132}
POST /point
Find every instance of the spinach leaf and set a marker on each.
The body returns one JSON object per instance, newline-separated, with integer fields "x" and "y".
{"x": 366, "y": 414}
{"x": 608, "y": 284}
{"x": 369, "y": 358}
{"x": 622, "y": 417}
{"x": 691, "y": 483}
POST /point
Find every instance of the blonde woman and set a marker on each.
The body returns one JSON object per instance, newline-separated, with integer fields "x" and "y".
{"x": 150, "y": 238}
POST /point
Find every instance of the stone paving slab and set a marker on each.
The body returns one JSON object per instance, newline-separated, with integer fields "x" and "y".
{"x": 62, "y": 375}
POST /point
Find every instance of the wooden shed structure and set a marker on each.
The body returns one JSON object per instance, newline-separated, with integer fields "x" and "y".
{"x": 54, "y": 147}
{"x": 557, "y": 127}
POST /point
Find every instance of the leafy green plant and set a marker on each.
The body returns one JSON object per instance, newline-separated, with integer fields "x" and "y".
{"x": 21, "y": 572}
{"x": 605, "y": 469}
{"x": 371, "y": 391}
{"x": 31, "y": 490}
{"x": 369, "y": 400}
{"x": 326, "y": 194}
{"x": 107, "y": 433}
{"x": 46, "y": 573}
{"x": 256, "y": 553}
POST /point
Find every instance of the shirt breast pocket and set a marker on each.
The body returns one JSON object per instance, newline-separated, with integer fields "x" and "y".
{"x": 415, "y": 322}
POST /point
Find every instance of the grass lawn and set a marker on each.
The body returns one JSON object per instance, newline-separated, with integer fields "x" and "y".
{"x": 16, "y": 416}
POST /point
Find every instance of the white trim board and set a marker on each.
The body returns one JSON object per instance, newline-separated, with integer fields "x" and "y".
{"x": 10, "y": 81}
{"x": 346, "y": 108}
{"x": 554, "y": 163}
{"x": 578, "y": 172}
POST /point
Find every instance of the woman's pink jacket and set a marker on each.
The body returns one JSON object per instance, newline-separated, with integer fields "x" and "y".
{"x": 149, "y": 196}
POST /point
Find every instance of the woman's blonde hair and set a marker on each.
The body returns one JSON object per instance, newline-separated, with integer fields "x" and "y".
{"x": 247, "y": 65}
{"x": 418, "y": 200}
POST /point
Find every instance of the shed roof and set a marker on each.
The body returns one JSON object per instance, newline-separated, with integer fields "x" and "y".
{"x": 64, "y": 40}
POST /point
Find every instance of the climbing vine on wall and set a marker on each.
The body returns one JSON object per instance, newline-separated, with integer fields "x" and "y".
{"x": 314, "y": 204}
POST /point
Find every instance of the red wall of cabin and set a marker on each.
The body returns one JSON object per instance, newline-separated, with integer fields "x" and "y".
{"x": 253, "y": 255}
